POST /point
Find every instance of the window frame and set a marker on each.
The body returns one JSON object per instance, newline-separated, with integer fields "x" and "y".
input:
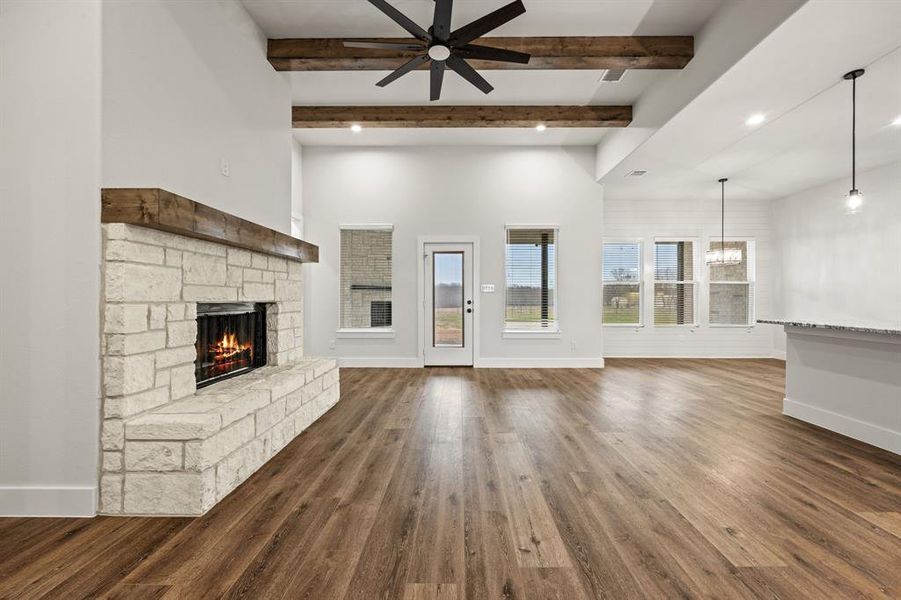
{"x": 751, "y": 246}
{"x": 549, "y": 332}
{"x": 641, "y": 281}
{"x": 363, "y": 332}
{"x": 696, "y": 283}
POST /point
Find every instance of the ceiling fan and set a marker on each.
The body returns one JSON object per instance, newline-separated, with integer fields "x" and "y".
{"x": 446, "y": 48}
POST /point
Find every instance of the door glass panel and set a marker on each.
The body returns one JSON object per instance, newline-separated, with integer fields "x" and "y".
{"x": 447, "y": 282}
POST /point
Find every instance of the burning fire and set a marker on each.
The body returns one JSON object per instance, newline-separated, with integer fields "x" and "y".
{"x": 227, "y": 348}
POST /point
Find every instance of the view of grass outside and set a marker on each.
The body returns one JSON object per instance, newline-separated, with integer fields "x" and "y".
{"x": 449, "y": 326}
{"x": 528, "y": 316}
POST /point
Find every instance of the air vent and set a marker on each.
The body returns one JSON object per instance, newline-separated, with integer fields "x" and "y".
{"x": 613, "y": 74}
{"x": 636, "y": 173}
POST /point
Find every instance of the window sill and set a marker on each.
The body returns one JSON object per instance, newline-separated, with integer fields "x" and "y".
{"x": 625, "y": 325}
{"x": 528, "y": 334}
{"x": 365, "y": 333}
{"x": 727, "y": 326}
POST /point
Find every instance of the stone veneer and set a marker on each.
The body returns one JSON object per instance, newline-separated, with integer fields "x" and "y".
{"x": 167, "y": 448}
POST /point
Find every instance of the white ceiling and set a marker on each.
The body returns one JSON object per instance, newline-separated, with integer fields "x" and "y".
{"x": 358, "y": 18}
{"x": 794, "y": 77}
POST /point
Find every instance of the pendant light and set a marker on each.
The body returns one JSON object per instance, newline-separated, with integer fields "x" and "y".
{"x": 723, "y": 255}
{"x": 854, "y": 199}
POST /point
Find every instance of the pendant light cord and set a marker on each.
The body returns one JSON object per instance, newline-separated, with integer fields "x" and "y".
{"x": 854, "y": 133}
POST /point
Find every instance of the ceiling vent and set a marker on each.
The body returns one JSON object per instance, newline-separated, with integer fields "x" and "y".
{"x": 635, "y": 173}
{"x": 613, "y": 74}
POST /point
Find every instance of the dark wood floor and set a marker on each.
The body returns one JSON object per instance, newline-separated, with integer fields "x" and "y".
{"x": 649, "y": 479}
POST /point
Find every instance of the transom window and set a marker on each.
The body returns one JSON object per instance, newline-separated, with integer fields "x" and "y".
{"x": 531, "y": 279}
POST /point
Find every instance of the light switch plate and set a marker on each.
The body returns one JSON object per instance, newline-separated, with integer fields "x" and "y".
{"x": 487, "y": 288}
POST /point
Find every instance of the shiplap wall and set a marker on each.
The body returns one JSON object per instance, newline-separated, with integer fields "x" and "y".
{"x": 698, "y": 220}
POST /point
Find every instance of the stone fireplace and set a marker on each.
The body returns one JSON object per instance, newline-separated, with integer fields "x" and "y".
{"x": 204, "y": 377}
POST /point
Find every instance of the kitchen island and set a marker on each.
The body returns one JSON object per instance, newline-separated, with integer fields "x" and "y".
{"x": 845, "y": 378}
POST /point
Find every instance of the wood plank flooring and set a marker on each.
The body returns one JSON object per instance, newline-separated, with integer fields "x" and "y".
{"x": 647, "y": 479}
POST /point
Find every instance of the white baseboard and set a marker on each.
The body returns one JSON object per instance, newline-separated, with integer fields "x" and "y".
{"x": 376, "y": 362}
{"x": 48, "y": 501}
{"x": 540, "y": 363}
{"x": 779, "y": 354}
{"x": 853, "y": 428}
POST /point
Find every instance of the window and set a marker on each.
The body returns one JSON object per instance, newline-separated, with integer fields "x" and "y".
{"x": 732, "y": 287}
{"x": 674, "y": 285}
{"x": 622, "y": 283}
{"x": 531, "y": 282}
{"x": 366, "y": 277}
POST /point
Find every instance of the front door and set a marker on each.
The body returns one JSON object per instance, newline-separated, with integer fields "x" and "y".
{"x": 448, "y": 304}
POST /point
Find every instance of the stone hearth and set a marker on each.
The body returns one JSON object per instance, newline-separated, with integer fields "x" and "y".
{"x": 167, "y": 448}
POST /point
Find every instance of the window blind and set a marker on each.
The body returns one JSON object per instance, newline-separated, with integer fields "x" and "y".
{"x": 622, "y": 283}
{"x": 365, "y": 278}
{"x": 531, "y": 279}
{"x": 674, "y": 284}
{"x": 731, "y": 287}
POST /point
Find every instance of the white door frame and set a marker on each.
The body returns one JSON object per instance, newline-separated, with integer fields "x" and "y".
{"x": 421, "y": 241}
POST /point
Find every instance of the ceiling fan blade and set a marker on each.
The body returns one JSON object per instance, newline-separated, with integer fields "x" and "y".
{"x": 383, "y": 45}
{"x": 442, "y": 22}
{"x": 437, "y": 79}
{"x": 488, "y": 53}
{"x": 491, "y": 21}
{"x": 403, "y": 69}
{"x": 402, "y": 20}
{"x": 465, "y": 71}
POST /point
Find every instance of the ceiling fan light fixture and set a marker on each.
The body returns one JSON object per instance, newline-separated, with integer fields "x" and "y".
{"x": 439, "y": 52}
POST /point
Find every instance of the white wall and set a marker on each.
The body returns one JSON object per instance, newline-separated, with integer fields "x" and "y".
{"x": 452, "y": 190}
{"x": 839, "y": 268}
{"x": 185, "y": 85}
{"x": 296, "y": 189}
{"x": 50, "y": 296}
{"x": 699, "y": 220}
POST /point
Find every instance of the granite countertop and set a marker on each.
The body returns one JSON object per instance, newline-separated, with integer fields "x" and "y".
{"x": 852, "y": 328}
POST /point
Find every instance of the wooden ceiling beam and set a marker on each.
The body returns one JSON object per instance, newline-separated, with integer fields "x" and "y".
{"x": 331, "y": 117}
{"x": 632, "y": 52}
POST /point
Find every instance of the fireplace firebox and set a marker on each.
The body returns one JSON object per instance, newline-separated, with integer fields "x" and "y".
{"x": 231, "y": 340}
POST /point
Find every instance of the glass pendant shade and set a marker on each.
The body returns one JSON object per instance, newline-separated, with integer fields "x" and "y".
{"x": 723, "y": 256}
{"x": 853, "y": 202}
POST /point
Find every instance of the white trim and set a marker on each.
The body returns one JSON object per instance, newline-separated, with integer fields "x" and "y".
{"x": 366, "y": 226}
{"x": 848, "y": 426}
{"x": 380, "y": 362}
{"x": 778, "y": 354}
{"x": 528, "y": 334}
{"x": 421, "y": 241}
{"x": 553, "y": 226}
{"x": 540, "y": 363}
{"x": 27, "y": 501}
{"x": 371, "y": 333}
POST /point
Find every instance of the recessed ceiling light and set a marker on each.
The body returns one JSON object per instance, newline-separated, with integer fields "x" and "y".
{"x": 540, "y": 127}
{"x": 757, "y": 119}
{"x": 356, "y": 128}
{"x": 897, "y": 120}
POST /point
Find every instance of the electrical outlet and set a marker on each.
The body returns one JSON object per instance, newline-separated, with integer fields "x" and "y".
{"x": 572, "y": 346}
{"x": 224, "y": 167}
{"x": 331, "y": 344}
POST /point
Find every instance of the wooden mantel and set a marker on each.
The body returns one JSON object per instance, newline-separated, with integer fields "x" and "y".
{"x": 159, "y": 209}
